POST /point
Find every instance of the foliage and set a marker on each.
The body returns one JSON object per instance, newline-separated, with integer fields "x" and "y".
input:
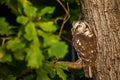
{"x": 35, "y": 43}
{"x": 30, "y": 49}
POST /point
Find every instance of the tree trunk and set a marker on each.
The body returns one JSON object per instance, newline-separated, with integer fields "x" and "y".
{"x": 104, "y": 17}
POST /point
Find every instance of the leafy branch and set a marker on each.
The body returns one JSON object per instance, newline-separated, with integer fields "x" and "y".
{"x": 33, "y": 45}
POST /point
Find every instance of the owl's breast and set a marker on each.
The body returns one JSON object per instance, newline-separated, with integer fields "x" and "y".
{"x": 85, "y": 46}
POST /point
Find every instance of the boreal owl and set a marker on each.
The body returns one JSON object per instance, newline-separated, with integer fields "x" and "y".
{"x": 85, "y": 43}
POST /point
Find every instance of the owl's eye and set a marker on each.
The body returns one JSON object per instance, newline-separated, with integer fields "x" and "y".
{"x": 78, "y": 26}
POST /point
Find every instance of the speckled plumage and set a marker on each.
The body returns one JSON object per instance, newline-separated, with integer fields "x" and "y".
{"x": 85, "y": 43}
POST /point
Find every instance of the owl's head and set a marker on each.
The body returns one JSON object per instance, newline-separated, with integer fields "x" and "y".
{"x": 81, "y": 27}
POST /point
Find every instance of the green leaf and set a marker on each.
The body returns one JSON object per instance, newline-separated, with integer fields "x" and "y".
{"x": 42, "y": 75}
{"x": 58, "y": 49}
{"x": 6, "y": 58}
{"x": 24, "y": 2}
{"x": 4, "y": 29}
{"x": 34, "y": 56}
{"x": 47, "y": 26}
{"x": 30, "y": 31}
{"x": 46, "y": 10}
{"x": 30, "y": 11}
{"x": 62, "y": 66}
{"x": 22, "y": 19}
{"x": 50, "y": 40}
{"x": 49, "y": 70}
{"x": 2, "y": 52}
{"x": 61, "y": 74}
{"x": 15, "y": 44}
{"x": 19, "y": 55}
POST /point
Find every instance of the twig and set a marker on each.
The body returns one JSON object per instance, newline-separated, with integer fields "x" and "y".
{"x": 4, "y": 39}
{"x": 58, "y": 18}
{"x": 66, "y": 11}
{"x": 65, "y": 19}
{"x": 27, "y": 72}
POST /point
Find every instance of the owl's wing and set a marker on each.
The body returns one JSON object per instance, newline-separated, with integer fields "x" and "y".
{"x": 86, "y": 50}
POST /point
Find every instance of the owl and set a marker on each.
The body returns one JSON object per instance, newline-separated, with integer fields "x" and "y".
{"x": 85, "y": 43}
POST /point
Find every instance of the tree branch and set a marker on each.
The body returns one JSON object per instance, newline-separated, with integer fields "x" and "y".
{"x": 71, "y": 65}
{"x": 4, "y": 39}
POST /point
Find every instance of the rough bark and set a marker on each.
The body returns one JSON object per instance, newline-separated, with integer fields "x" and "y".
{"x": 104, "y": 18}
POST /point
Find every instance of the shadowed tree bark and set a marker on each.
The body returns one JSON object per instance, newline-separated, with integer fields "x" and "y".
{"x": 104, "y": 17}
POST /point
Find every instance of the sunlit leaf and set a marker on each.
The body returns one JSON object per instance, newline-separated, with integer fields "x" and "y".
{"x": 30, "y": 11}
{"x": 4, "y": 29}
{"x": 27, "y": 2}
{"x": 47, "y": 26}
{"x": 50, "y": 40}
{"x": 22, "y": 19}
{"x": 30, "y": 31}
{"x": 47, "y": 10}
{"x": 61, "y": 74}
{"x": 34, "y": 44}
{"x": 62, "y": 66}
{"x": 15, "y": 44}
{"x": 34, "y": 56}
{"x": 58, "y": 49}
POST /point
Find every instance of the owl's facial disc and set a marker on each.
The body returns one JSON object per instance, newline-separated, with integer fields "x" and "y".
{"x": 79, "y": 27}
{"x": 76, "y": 24}
{"x": 76, "y": 29}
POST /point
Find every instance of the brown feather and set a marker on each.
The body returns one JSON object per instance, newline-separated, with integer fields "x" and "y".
{"x": 86, "y": 49}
